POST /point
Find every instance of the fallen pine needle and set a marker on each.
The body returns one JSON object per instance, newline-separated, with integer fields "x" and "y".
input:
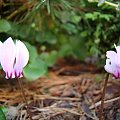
{"x": 105, "y": 102}
{"x": 64, "y": 109}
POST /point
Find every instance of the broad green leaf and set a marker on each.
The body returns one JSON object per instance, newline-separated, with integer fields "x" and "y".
{"x": 4, "y": 109}
{"x": 2, "y": 115}
{"x": 49, "y": 58}
{"x": 43, "y": 38}
{"x": 65, "y": 50}
{"x": 35, "y": 69}
{"x": 32, "y": 51}
{"x": 4, "y": 25}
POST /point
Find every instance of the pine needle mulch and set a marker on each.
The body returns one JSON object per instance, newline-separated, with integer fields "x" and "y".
{"x": 70, "y": 92}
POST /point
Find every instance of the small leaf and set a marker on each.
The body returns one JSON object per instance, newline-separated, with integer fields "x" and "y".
{"x": 4, "y": 26}
{"x": 35, "y": 69}
{"x": 2, "y": 115}
{"x": 71, "y": 28}
{"x": 101, "y": 2}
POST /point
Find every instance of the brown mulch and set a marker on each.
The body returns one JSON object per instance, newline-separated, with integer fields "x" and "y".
{"x": 71, "y": 92}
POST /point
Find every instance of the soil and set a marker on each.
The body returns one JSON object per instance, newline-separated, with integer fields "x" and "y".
{"x": 72, "y": 91}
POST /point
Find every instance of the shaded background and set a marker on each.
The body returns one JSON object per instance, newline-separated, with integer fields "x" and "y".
{"x": 54, "y": 29}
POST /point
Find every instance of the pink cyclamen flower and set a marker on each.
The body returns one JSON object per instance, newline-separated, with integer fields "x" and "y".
{"x": 113, "y": 62}
{"x": 13, "y": 57}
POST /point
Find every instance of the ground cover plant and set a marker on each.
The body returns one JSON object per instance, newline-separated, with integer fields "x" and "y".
{"x": 59, "y": 48}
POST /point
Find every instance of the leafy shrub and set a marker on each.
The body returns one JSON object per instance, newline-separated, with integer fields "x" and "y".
{"x": 61, "y": 28}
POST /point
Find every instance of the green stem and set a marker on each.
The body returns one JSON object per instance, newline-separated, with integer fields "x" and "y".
{"x": 111, "y": 4}
{"x": 103, "y": 96}
{"x": 24, "y": 98}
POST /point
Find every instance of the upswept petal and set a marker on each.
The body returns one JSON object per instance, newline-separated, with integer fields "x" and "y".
{"x": 22, "y": 57}
{"x": 8, "y": 56}
{"x": 118, "y": 55}
{"x": 1, "y": 44}
{"x": 111, "y": 68}
{"x": 112, "y": 56}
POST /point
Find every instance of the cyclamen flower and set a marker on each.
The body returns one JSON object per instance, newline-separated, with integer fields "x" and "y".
{"x": 113, "y": 62}
{"x": 13, "y": 57}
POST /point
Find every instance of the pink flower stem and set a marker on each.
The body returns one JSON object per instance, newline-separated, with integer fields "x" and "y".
{"x": 103, "y": 96}
{"x": 24, "y": 98}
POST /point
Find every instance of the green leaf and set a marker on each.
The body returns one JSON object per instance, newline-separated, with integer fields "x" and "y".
{"x": 49, "y": 58}
{"x": 35, "y": 69}
{"x": 84, "y": 33}
{"x": 74, "y": 18}
{"x": 4, "y": 25}
{"x": 2, "y": 115}
{"x": 91, "y": 16}
{"x": 32, "y": 50}
{"x": 71, "y": 28}
{"x": 43, "y": 38}
{"x": 79, "y": 48}
{"x": 65, "y": 50}
{"x": 94, "y": 50}
{"x": 4, "y": 109}
{"x": 106, "y": 17}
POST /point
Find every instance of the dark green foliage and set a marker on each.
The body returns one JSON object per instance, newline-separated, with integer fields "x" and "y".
{"x": 4, "y": 26}
{"x": 36, "y": 67}
{"x": 2, "y": 115}
{"x": 49, "y": 58}
{"x": 60, "y": 28}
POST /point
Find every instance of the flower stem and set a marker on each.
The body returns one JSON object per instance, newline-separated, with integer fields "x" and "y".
{"x": 103, "y": 96}
{"x": 111, "y": 4}
{"x": 24, "y": 98}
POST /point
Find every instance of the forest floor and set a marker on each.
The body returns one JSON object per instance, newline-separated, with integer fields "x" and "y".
{"x": 72, "y": 91}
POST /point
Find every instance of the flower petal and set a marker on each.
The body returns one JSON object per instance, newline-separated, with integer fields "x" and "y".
{"x": 118, "y": 55}
{"x": 1, "y": 44}
{"x": 111, "y": 68}
{"x": 7, "y": 57}
{"x": 22, "y": 57}
{"x": 112, "y": 56}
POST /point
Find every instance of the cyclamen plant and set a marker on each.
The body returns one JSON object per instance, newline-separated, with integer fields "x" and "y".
{"x": 113, "y": 62}
{"x": 13, "y": 58}
{"x": 113, "y": 67}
